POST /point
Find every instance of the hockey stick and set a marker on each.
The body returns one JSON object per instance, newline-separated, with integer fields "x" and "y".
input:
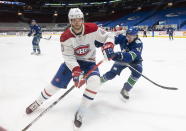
{"x": 164, "y": 87}
{"x": 61, "y": 97}
{"x": 46, "y": 38}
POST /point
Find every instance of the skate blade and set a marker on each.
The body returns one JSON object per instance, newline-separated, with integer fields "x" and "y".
{"x": 75, "y": 128}
{"x": 123, "y": 99}
{"x": 38, "y": 54}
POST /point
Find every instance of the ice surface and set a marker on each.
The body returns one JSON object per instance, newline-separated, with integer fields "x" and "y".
{"x": 23, "y": 76}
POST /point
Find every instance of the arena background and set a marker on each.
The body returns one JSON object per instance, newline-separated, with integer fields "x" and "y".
{"x": 153, "y": 15}
{"x": 150, "y": 108}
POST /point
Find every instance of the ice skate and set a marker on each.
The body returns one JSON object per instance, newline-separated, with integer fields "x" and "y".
{"x": 33, "y": 53}
{"x": 102, "y": 79}
{"x": 77, "y": 121}
{"x": 38, "y": 53}
{"x": 32, "y": 107}
{"x": 125, "y": 94}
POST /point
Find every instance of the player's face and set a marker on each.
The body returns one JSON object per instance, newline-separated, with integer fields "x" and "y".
{"x": 117, "y": 28}
{"x": 76, "y": 23}
{"x": 33, "y": 23}
{"x": 131, "y": 38}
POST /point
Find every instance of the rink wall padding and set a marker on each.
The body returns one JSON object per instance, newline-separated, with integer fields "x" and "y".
{"x": 163, "y": 34}
{"x": 14, "y": 34}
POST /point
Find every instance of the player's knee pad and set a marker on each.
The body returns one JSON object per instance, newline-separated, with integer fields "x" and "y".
{"x": 112, "y": 73}
{"x": 93, "y": 84}
{"x": 109, "y": 75}
{"x": 49, "y": 91}
{"x": 36, "y": 41}
{"x": 115, "y": 70}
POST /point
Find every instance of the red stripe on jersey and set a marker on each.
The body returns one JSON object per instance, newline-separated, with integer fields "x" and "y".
{"x": 47, "y": 93}
{"x": 66, "y": 35}
{"x": 93, "y": 92}
{"x": 90, "y": 27}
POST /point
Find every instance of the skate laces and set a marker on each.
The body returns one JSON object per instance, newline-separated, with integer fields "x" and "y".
{"x": 34, "y": 106}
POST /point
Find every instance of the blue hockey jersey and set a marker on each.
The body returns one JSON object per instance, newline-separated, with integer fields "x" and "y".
{"x": 35, "y": 30}
{"x": 131, "y": 51}
{"x": 170, "y": 30}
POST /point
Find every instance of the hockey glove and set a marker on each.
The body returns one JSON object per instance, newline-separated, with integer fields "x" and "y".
{"x": 77, "y": 75}
{"x": 118, "y": 56}
{"x": 98, "y": 44}
{"x": 107, "y": 50}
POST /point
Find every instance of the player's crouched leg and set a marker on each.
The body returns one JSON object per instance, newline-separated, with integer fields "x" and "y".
{"x": 93, "y": 85}
{"x": 61, "y": 80}
{"x": 115, "y": 70}
{"x": 45, "y": 94}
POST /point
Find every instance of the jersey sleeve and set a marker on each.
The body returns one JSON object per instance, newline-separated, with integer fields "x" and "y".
{"x": 68, "y": 55}
{"x": 134, "y": 53}
{"x": 120, "y": 39}
{"x": 103, "y": 36}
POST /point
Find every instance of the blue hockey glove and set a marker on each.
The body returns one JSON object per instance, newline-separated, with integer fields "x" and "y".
{"x": 118, "y": 56}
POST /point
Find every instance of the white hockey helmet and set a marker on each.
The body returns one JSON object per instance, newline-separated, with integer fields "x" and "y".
{"x": 75, "y": 13}
{"x": 117, "y": 26}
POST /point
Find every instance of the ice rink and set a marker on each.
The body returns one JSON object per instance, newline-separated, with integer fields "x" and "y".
{"x": 23, "y": 76}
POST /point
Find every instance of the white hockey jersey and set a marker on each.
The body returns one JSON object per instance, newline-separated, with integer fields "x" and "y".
{"x": 82, "y": 47}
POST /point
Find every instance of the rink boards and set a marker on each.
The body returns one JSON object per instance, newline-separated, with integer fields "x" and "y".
{"x": 163, "y": 34}
{"x": 177, "y": 34}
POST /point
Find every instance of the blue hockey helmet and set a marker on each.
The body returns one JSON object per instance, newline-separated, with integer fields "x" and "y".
{"x": 132, "y": 31}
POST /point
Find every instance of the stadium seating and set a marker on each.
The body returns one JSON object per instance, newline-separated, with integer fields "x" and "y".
{"x": 166, "y": 16}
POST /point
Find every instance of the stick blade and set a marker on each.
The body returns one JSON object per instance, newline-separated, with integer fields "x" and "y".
{"x": 168, "y": 88}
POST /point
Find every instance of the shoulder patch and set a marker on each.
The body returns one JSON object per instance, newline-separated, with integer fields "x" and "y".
{"x": 66, "y": 35}
{"x": 138, "y": 41}
{"x": 90, "y": 27}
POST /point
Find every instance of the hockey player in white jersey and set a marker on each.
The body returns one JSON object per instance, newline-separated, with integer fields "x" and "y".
{"x": 79, "y": 51}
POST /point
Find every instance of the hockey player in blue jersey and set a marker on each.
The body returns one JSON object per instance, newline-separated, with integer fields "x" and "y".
{"x": 35, "y": 30}
{"x": 170, "y": 32}
{"x": 131, "y": 49}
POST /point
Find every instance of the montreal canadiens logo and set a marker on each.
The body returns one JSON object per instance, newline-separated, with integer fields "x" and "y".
{"x": 82, "y": 50}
